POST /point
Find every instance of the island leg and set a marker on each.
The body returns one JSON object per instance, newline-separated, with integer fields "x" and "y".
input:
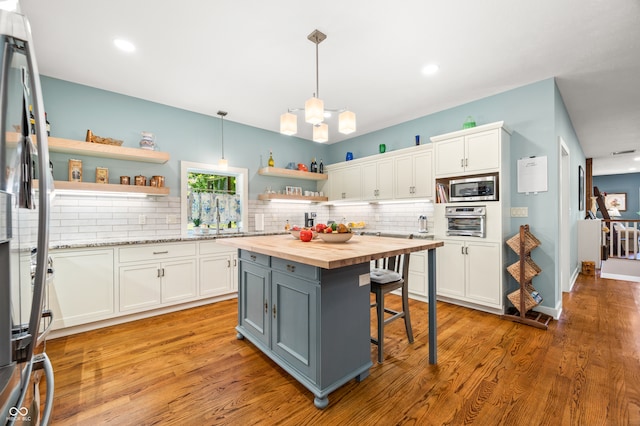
{"x": 433, "y": 338}
{"x": 239, "y": 336}
{"x": 360, "y": 377}
{"x": 321, "y": 402}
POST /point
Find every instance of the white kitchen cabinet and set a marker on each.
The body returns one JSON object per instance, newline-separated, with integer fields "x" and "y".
{"x": 419, "y": 275}
{"x": 345, "y": 183}
{"x": 149, "y": 285}
{"x": 471, "y": 271}
{"x": 377, "y": 179}
{"x": 83, "y": 286}
{"x": 218, "y": 269}
{"x": 414, "y": 174}
{"x": 471, "y": 151}
{"x": 153, "y": 275}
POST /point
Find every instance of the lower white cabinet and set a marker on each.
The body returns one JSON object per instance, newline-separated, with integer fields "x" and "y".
{"x": 469, "y": 270}
{"x": 218, "y": 269}
{"x": 83, "y": 286}
{"x": 98, "y": 284}
{"x": 419, "y": 275}
{"x": 149, "y": 285}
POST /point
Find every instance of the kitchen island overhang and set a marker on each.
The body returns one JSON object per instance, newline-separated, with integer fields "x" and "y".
{"x": 306, "y": 305}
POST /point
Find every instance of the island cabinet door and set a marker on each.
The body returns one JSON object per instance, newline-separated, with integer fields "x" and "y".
{"x": 294, "y": 318}
{"x": 254, "y": 301}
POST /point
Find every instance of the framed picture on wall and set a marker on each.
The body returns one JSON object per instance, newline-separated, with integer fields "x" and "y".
{"x": 617, "y": 200}
{"x": 580, "y": 188}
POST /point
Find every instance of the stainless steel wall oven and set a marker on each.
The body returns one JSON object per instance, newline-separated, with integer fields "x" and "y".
{"x": 468, "y": 221}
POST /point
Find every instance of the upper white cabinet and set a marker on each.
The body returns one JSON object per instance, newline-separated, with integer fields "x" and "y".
{"x": 414, "y": 174}
{"x": 470, "y": 151}
{"x": 377, "y": 179}
{"x": 345, "y": 183}
{"x": 401, "y": 174}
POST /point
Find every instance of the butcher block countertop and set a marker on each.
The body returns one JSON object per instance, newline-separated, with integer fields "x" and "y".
{"x": 358, "y": 249}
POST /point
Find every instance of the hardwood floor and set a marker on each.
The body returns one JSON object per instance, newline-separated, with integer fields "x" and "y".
{"x": 187, "y": 368}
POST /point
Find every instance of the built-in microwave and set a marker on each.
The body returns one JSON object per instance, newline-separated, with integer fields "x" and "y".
{"x": 480, "y": 188}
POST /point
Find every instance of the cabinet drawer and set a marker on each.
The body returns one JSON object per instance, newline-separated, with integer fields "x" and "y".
{"x": 156, "y": 252}
{"x": 261, "y": 259}
{"x": 212, "y": 247}
{"x": 295, "y": 268}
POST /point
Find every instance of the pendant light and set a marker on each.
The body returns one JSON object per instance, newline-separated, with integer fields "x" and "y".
{"x": 222, "y": 162}
{"x": 314, "y": 110}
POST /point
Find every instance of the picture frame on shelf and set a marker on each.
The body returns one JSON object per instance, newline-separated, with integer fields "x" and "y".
{"x": 617, "y": 200}
{"x": 290, "y": 190}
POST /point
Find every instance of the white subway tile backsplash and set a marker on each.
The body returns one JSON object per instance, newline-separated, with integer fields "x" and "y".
{"x": 81, "y": 218}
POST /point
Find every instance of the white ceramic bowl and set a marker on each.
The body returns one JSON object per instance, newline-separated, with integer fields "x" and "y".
{"x": 296, "y": 234}
{"x": 336, "y": 237}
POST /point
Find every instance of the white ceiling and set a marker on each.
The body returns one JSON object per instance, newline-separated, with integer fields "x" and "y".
{"x": 252, "y": 58}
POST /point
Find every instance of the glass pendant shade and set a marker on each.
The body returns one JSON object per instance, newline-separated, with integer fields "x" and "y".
{"x": 288, "y": 124}
{"x": 347, "y": 122}
{"x": 223, "y": 163}
{"x": 314, "y": 111}
{"x": 321, "y": 132}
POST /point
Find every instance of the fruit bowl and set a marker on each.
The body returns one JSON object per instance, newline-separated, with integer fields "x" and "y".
{"x": 336, "y": 237}
{"x": 296, "y": 234}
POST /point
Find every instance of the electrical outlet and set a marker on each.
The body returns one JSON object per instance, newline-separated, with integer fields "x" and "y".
{"x": 519, "y": 211}
{"x": 142, "y": 219}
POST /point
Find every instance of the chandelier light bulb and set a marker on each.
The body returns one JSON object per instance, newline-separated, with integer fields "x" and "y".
{"x": 314, "y": 111}
{"x": 288, "y": 124}
{"x": 347, "y": 122}
{"x": 321, "y": 132}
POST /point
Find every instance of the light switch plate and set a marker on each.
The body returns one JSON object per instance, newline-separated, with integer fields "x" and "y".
{"x": 519, "y": 211}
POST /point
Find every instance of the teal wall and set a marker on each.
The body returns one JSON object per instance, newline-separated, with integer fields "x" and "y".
{"x": 185, "y": 135}
{"x": 537, "y": 117}
{"x": 535, "y": 114}
{"x": 628, "y": 183}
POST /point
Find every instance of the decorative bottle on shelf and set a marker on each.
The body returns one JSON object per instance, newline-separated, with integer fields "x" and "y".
{"x": 321, "y": 167}
{"x": 314, "y": 166}
{"x": 271, "y": 163}
{"x": 287, "y": 226}
{"x": 32, "y": 120}
{"x": 46, "y": 119}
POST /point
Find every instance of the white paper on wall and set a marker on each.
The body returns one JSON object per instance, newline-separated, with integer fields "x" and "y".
{"x": 532, "y": 174}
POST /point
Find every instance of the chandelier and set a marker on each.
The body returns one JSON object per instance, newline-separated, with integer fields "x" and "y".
{"x": 314, "y": 110}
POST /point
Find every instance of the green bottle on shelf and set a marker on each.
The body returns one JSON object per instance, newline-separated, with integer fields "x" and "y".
{"x": 271, "y": 163}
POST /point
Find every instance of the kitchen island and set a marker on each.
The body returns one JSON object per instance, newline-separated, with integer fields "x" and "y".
{"x": 307, "y": 305}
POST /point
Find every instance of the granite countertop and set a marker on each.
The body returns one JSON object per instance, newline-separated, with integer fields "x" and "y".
{"x": 178, "y": 239}
{"x": 359, "y": 249}
{"x": 153, "y": 240}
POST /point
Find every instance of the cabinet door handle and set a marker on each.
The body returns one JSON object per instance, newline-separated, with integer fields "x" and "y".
{"x": 235, "y": 263}
{"x": 158, "y": 272}
{"x": 291, "y": 268}
{"x": 274, "y": 310}
{"x": 161, "y": 252}
{"x": 228, "y": 264}
{"x": 266, "y": 306}
{"x": 253, "y": 257}
{"x": 466, "y": 162}
{"x": 163, "y": 272}
{"x": 462, "y": 162}
{"x": 466, "y": 250}
{"x": 462, "y": 250}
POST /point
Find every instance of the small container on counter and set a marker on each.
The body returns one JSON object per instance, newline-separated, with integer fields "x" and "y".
{"x": 141, "y": 180}
{"x": 125, "y": 180}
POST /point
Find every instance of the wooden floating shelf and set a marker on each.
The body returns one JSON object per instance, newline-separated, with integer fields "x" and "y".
{"x": 68, "y": 146}
{"x": 108, "y": 187}
{"x": 269, "y": 197}
{"x": 294, "y": 174}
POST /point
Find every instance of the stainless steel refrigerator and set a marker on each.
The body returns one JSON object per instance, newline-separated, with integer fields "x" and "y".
{"x": 25, "y": 189}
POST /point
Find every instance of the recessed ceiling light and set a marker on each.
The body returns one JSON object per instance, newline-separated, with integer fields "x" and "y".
{"x": 430, "y": 69}
{"x": 124, "y": 45}
{"x": 636, "y": 159}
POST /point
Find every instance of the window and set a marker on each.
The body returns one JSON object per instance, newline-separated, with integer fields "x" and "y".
{"x": 212, "y": 196}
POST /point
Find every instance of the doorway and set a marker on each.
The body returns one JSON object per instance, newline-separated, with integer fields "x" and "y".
{"x": 565, "y": 214}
